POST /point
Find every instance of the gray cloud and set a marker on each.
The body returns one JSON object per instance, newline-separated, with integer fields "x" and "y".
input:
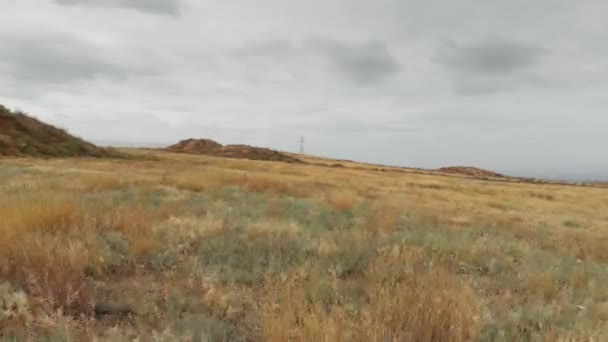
{"x": 274, "y": 48}
{"x": 363, "y": 63}
{"x": 492, "y": 56}
{"x": 540, "y": 96}
{"x": 479, "y": 85}
{"x": 495, "y": 64}
{"x": 56, "y": 58}
{"x": 161, "y": 7}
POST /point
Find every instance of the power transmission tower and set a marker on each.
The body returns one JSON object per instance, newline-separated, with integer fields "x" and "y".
{"x": 302, "y": 145}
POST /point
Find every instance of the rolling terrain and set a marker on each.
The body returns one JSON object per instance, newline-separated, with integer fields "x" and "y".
{"x": 191, "y": 245}
{"x": 165, "y": 246}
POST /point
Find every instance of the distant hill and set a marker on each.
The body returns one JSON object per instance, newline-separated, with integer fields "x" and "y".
{"x": 23, "y": 135}
{"x": 470, "y": 171}
{"x": 213, "y": 148}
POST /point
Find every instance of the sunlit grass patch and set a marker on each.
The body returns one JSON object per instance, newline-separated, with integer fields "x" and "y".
{"x": 54, "y": 269}
{"x": 46, "y": 249}
{"x": 185, "y": 231}
{"x": 43, "y": 213}
{"x": 386, "y": 215}
{"x": 426, "y": 307}
{"x": 342, "y": 200}
{"x": 435, "y": 306}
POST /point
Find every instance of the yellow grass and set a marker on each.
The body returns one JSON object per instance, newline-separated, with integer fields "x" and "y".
{"x": 258, "y": 251}
{"x": 342, "y": 199}
{"x": 426, "y": 307}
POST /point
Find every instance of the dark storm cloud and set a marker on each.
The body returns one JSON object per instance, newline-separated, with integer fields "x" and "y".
{"x": 363, "y": 63}
{"x": 161, "y": 7}
{"x": 44, "y": 58}
{"x": 492, "y": 56}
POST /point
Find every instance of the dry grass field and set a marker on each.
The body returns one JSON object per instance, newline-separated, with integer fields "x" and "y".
{"x": 175, "y": 247}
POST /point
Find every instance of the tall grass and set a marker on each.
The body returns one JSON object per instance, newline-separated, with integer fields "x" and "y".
{"x": 431, "y": 306}
{"x": 46, "y": 249}
{"x": 184, "y": 247}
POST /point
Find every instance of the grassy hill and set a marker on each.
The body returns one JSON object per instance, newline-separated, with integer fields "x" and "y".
{"x": 187, "y": 246}
{"x": 23, "y": 135}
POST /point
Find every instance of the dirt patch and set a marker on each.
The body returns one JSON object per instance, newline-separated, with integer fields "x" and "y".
{"x": 471, "y": 171}
{"x": 6, "y": 123}
{"x": 213, "y": 148}
{"x": 7, "y": 146}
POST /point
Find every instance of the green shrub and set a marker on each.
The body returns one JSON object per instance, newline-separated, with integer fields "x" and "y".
{"x": 236, "y": 257}
{"x": 114, "y": 252}
{"x": 571, "y": 224}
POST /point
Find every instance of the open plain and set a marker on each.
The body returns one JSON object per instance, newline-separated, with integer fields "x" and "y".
{"x": 163, "y": 246}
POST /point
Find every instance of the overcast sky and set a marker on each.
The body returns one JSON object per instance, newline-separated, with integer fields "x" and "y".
{"x": 515, "y": 86}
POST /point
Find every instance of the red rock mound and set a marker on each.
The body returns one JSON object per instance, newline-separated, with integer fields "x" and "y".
{"x": 213, "y": 148}
{"x": 471, "y": 171}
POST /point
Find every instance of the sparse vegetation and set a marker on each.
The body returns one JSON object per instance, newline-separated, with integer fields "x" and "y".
{"x": 23, "y": 135}
{"x": 180, "y": 247}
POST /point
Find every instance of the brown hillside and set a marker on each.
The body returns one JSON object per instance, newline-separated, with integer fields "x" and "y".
{"x": 470, "y": 171}
{"x": 198, "y": 146}
{"x": 213, "y": 148}
{"x": 23, "y": 135}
